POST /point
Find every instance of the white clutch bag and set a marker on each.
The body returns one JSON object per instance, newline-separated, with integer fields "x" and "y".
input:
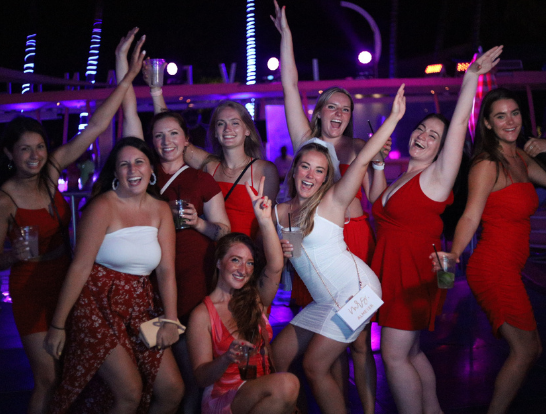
{"x": 148, "y": 330}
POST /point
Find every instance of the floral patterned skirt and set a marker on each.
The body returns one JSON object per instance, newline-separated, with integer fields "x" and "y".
{"x": 108, "y": 313}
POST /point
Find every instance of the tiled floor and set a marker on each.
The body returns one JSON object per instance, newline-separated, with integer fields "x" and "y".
{"x": 465, "y": 356}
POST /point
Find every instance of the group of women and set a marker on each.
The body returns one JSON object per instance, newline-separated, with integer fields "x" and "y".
{"x": 220, "y": 275}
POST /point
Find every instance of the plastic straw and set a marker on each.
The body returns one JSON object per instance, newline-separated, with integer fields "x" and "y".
{"x": 289, "y": 222}
{"x": 370, "y": 125}
{"x": 437, "y": 256}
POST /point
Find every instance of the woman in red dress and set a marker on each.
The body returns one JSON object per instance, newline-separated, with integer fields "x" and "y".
{"x": 332, "y": 122}
{"x": 29, "y": 197}
{"x": 408, "y": 223}
{"x": 502, "y": 197}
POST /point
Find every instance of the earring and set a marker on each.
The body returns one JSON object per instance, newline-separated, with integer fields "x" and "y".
{"x": 10, "y": 165}
{"x": 154, "y": 179}
{"x": 115, "y": 184}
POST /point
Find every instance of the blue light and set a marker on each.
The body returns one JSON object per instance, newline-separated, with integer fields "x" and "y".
{"x": 28, "y": 67}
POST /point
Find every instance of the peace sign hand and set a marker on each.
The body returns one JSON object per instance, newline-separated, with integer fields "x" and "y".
{"x": 261, "y": 203}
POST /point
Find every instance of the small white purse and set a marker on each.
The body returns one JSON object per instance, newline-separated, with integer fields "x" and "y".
{"x": 148, "y": 330}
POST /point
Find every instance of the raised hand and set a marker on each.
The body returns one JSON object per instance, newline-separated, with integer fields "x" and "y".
{"x": 399, "y": 105}
{"x": 487, "y": 61}
{"x": 147, "y": 71}
{"x": 136, "y": 59}
{"x": 280, "y": 18}
{"x": 125, "y": 43}
{"x": 261, "y": 203}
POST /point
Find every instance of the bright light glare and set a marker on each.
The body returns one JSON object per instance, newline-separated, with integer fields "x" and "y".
{"x": 365, "y": 57}
{"x": 172, "y": 69}
{"x": 273, "y": 63}
{"x": 436, "y": 68}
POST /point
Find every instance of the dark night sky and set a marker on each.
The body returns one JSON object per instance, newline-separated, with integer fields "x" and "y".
{"x": 204, "y": 33}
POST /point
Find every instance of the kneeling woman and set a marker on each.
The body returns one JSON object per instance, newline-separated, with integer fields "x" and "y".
{"x": 329, "y": 270}
{"x": 232, "y": 320}
{"x": 125, "y": 233}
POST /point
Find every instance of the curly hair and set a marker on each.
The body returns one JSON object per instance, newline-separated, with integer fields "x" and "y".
{"x": 316, "y": 124}
{"x": 306, "y": 218}
{"x": 245, "y": 304}
{"x": 487, "y": 144}
{"x": 253, "y": 142}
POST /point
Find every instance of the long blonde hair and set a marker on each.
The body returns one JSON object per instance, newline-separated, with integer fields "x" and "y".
{"x": 306, "y": 217}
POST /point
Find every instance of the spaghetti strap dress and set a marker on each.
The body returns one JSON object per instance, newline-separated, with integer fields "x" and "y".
{"x": 494, "y": 270}
{"x": 407, "y": 226}
{"x": 34, "y": 286}
{"x": 239, "y": 207}
{"x": 360, "y": 239}
{"x": 217, "y": 398}
{"x": 330, "y": 272}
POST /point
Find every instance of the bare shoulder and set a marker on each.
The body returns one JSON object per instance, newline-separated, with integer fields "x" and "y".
{"x": 199, "y": 316}
{"x": 358, "y": 144}
{"x": 484, "y": 166}
{"x": 6, "y": 205}
{"x": 102, "y": 206}
{"x": 210, "y": 165}
{"x": 265, "y": 167}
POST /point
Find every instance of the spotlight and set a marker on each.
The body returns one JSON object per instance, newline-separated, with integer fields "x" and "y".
{"x": 273, "y": 64}
{"x": 435, "y": 69}
{"x": 364, "y": 57}
{"x": 172, "y": 69}
{"x": 462, "y": 66}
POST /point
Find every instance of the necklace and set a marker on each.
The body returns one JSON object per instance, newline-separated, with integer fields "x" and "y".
{"x": 235, "y": 169}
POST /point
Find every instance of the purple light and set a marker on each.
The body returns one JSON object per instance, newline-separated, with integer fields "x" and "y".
{"x": 172, "y": 69}
{"x": 273, "y": 64}
{"x": 394, "y": 155}
{"x": 365, "y": 57}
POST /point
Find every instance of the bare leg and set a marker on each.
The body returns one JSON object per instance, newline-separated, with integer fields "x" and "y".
{"x": 365, "y": 369}
{"x": 168, "y": 386}
{"x": 271, "y": 394}
{"x": 45, "y": 370}
{"x": 191, "y": 403}
{"x": 290, "y": 343}
{"x": 340, "y": 372}
{"x": 409, "y": 373}
{"x": 525, "y": 348}
{"x": 123, "y": 378}
{"x": 317, "y": 363}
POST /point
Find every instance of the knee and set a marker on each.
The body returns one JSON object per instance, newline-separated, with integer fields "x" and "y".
{"x": 287, "y": 388}
{"x": 45, "y": 380}
{"x": 129, "y": 394}
{"x": 313, "y": 369}
{"x": 171, "y": 393}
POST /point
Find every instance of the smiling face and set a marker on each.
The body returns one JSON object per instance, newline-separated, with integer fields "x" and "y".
{"x": 426, "y": 139}
{"x": 310, "y": 172}
{"x": 505, "y": 120}
{"x": 335, "y": 115}
{"x": 133, "y": 170}
{"x": 169, "y": 139}
{"x": 235, "y": 267}
{"x": 29, "y": 154}
{"x": 230, "y": 128}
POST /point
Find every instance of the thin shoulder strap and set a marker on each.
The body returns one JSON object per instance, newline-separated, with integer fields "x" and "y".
{"x": 252, "y": 173}
{"x": 523, "y": 159}
{"x": 10, "y": 197}
{"x": 507, "y": 172}
{"x": 216, "y": 169}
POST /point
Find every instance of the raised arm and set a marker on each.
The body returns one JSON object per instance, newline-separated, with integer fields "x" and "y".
{"x": 438, "y": 180}
{"x": 345, "y": 189}
{"x": 155, "y": 91}
{"x": 132, "y": 126}
{"x": 271, "y": 274}
{"x": 91, "y": 231}
{"x": 70, "y": 152}
{"x": 298, "y": 124}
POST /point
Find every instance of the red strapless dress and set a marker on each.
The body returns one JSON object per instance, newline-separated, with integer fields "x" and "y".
{"x": 407, "y": 226}
{"x": 494, "y": 270}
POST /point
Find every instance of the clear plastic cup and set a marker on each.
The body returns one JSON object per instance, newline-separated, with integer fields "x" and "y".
{"x": 157, "y": 69}
{"x": 295, "y": 237}
{"x": 30, "y": 235}
{"x": 247, "y": 371}
{"x": 177, "y": 208}
{"x": 446, "y": 276}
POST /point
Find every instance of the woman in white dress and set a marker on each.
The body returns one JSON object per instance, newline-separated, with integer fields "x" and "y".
{"x": 331, "y": 273}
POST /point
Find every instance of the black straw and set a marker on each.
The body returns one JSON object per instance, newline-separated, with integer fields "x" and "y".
{"x": 289, "y": 223}
{"x": 437, "y": 256}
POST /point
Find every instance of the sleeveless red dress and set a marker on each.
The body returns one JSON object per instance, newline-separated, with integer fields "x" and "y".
{"x": 239, "y": 207}
{"x": 35, "y": 286}
{"x": 358, "y": 235}
{"x": 407, "y": 226}
{"x": 494, "y": 270}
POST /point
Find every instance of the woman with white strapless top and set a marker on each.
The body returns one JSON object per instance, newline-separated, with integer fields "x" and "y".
{"x": 125, "y": 234}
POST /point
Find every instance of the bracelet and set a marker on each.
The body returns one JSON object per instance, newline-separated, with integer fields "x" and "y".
{"x": 56, "y": 327}
{"x": 169, "y": 321}
{"x": 156, "y": 93}
{"x": 378, "y": 166}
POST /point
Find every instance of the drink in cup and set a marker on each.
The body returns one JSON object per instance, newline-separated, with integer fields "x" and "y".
{"x": 156, "y": 72}
{"x": 247, "y": 371}
{"x": 177, "y": 208}
{"x": 446, "y": 276}
{"x": 30, "y": 235}
{"x": 295, "y": 237}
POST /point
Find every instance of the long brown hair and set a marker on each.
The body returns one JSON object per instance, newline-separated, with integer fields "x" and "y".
{"x": 306, "y": 217}
{"x": 487, "y": 144}
{"x": 245, "y": 304}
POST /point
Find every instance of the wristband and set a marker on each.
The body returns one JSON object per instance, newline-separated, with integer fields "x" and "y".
{"x": 156, "y": 93}
{"x": 56, "y": 327}
{"x": 378, "y": 166}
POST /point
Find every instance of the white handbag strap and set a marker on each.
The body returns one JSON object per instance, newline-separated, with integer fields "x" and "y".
{"x": 176, "y": 174}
